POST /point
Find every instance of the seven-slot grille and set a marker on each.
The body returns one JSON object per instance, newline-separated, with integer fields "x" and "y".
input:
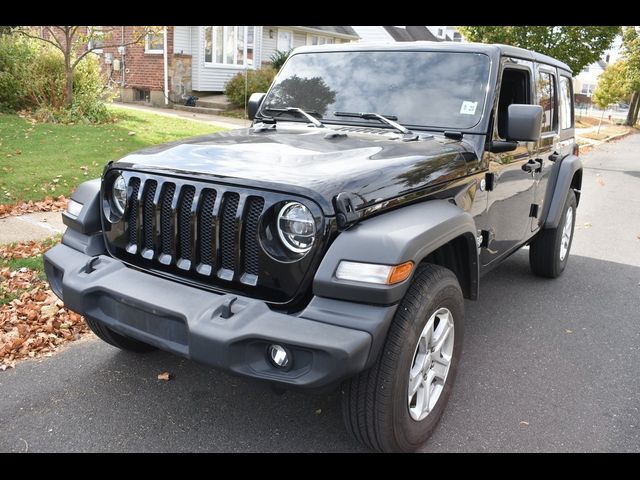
{"x": 194, "y": 227}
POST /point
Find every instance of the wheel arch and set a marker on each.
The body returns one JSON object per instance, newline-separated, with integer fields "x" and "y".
{"x": 566, "y": 174}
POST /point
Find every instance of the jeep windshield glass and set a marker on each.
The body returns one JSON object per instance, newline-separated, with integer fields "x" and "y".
{"x": 422, "y": 89}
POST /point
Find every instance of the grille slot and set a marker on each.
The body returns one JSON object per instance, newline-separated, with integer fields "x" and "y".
{"x": 133, "y": 212}
{"x": 256, "y": 204}
{"x": 165, "y": 222}
{"x": 206, "y": 234}
{"x": 227, "y": 230}
{"x": 148, "y": 214}
{"x": 184, "y": 223}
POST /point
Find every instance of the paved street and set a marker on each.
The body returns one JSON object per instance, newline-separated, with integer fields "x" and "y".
{"x": 547, "y": 365}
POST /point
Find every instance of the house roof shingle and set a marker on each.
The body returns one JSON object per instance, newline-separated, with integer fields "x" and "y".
{"x": 411, "y": 34}
{"x": 339, "y": 30}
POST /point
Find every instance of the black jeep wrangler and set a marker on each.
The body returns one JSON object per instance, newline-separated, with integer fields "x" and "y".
{"x": 333, "y": 243}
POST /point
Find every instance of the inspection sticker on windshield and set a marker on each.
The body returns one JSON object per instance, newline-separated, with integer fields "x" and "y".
{"x": 468, "y": 108}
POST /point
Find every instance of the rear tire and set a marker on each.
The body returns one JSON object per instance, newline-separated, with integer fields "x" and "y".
{"x": 378, "y": 407}
{"x": 549, "y": 251}
{"x": 117, "y": 340}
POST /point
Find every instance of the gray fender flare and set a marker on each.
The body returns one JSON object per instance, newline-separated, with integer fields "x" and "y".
{"x": 88, "y": 221}
{"x": 408, "y": 233}
{"x": 559, "y": 184}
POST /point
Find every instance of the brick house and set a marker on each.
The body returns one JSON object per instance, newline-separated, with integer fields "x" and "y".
{"x": 199, "y": 58}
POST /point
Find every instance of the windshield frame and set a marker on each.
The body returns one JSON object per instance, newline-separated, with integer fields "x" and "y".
{"x": 479, "y": 128}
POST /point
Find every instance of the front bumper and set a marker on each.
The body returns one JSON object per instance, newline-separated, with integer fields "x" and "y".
{"x": 330, "y": 340}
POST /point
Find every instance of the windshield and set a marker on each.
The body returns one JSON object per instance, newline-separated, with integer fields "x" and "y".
{"x": 428, "y": 89}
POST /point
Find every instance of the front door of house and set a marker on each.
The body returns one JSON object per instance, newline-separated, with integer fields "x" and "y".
{"x": 285, "y": 40}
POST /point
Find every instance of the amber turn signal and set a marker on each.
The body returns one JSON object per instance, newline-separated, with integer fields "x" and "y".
{"x": 400, "y": 272}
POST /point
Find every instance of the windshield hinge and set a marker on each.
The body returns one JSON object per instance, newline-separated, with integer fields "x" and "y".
{"x": 453, "y": 135}
{"x": 346, "y": 214}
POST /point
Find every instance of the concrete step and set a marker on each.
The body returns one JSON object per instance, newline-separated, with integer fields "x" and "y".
{"x": 222, "y": 105}
{"x": 199, "y": 109}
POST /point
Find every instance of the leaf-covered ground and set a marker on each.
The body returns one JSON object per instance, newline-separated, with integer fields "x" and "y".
{"x": 33, "y": 321}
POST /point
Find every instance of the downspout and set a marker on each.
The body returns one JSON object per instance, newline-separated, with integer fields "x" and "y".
{"x": 122, "y": 57}
{"x": 166, "y": 69}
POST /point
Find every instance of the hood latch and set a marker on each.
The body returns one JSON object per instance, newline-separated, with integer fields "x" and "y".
{"x": 346, "y": 214}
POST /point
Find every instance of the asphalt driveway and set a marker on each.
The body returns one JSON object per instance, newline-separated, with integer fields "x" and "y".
{"x": 547, "y": 365}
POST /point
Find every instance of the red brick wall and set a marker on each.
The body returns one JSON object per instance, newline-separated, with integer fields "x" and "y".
{"x": 142, "y": 70}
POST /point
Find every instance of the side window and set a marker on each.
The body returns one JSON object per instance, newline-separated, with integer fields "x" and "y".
{"x": 566, "y": 103}
{"x": 515, "y": 88}
{"x": 547, "y": 100}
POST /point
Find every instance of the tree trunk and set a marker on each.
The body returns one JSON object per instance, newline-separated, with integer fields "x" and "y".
{"x": 633, "y": 109}
{"x": 68, "y": 93}
{"x": 634, "y": 117}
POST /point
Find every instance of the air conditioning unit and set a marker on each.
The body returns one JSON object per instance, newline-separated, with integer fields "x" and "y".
{"x": 108, "y": 58}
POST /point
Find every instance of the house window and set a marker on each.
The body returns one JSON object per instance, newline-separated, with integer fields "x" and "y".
{"x": 319, "y": 40}
{"x": 587, "y": 89}
{"x": 457, "y": 37}
{"x": 440, "y": 33}
{"x": 96, "y": 38}
{"x": 154, "y": 42}
{"x": 229, "y": 45}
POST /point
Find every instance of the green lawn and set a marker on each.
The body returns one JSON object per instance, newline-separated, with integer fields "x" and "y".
{"x": 43, "y": 159}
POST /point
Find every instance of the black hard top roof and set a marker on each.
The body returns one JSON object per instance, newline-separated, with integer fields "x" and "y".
{"x": 493, "y": 50}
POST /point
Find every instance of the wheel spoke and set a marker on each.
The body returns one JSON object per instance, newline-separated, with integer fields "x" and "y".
{"x": 441, "y": 367}
{"x": 428, "y": 391}
{"x": 441, "y": 335}
{"x": 415, "y": 380}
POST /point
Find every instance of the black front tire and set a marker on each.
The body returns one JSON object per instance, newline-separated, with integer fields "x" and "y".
{"x": 375, "y": 403}
{"x": 545, "y": 250}
{"x": 120, "y": 341}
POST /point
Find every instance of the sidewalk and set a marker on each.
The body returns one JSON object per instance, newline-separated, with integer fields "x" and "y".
{"x": 216, "y": 120}
{"x": 31, "y": 226}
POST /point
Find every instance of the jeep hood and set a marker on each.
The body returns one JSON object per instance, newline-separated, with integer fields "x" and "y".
{"x": 312, "y": 162}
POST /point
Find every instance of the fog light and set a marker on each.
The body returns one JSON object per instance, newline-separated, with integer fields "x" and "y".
{"x": 279, "y": 356}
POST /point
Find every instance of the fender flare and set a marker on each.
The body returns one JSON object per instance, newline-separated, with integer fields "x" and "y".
{"x": 557, "y": 188}
{"x": 408, "y": 233}
{"x": 88, "y": 220}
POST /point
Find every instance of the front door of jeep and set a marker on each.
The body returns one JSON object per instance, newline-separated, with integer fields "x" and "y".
{"x": 512, "y": 173}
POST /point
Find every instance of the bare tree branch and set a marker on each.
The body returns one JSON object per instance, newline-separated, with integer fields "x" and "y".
{"x": 30, "y": 35}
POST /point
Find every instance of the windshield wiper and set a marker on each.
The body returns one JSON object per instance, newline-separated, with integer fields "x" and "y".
{"x": 381, "y": 118}
{"x": 316, "y": 123}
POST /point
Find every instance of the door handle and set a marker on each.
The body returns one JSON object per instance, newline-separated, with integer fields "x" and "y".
{"x": 532, "y": 166}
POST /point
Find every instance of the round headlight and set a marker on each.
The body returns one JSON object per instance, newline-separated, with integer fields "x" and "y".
{"x": 296, "y": 227}
{"x": 119, "y": 194}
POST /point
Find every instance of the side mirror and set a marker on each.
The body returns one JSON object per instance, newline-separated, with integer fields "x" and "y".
{"x": 255, "y": 100}
{"x": 524, "y": 122}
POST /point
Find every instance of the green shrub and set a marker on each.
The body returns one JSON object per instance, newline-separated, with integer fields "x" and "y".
{"x": 32, "y": 77}
{"x": 16, "y": 56}
{"x": 257, "y": 81}
{"x": 278, "y": 58}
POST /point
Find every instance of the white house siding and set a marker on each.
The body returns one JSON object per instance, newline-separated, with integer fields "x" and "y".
{"x": 372, "y": 34}
{"x": 214, "y": 78}
{"x": 182, "y": 40}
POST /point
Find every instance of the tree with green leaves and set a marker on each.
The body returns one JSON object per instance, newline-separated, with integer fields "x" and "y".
{"x": 76, "y": 42}
{"x": 631, "y": 53}
{"x": 613, "y": 85}
{"x": 577, "y": 46}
